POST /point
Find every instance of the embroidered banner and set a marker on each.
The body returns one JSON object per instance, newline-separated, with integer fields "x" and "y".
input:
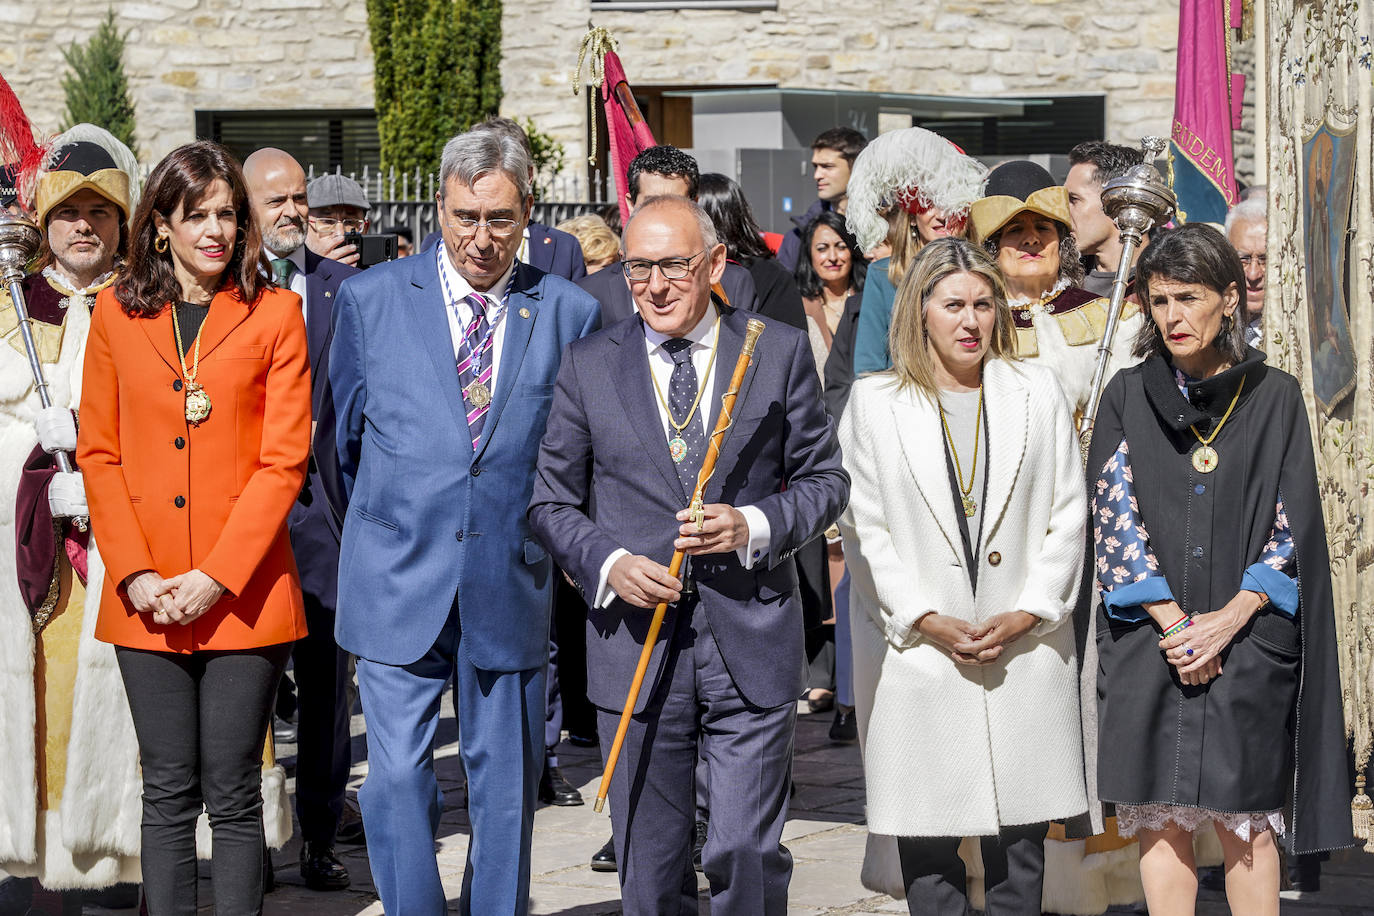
{"x": 1319, "y": 304}
{"x": 1200, "y": 144}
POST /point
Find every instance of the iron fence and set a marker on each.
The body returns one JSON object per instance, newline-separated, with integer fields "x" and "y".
{"x": 407, "y": 198}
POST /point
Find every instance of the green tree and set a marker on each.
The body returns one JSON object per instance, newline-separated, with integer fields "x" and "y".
{"x": 97, "y": 90}
{"x": 436, "y": 70}
{"x": 548, "y": 154}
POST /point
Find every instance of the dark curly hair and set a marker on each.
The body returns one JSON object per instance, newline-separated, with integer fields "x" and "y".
{"x": 808, "y": 281}
{"x": 668, "y": 161}
{"x": 178, "y": 183}
{"x": 1107, "y": 159}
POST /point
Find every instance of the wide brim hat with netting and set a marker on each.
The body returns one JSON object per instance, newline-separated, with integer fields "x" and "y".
{"x": 913, "y": 168}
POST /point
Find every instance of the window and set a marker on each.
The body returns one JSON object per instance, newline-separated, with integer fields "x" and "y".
{"x": 326, "y": 140}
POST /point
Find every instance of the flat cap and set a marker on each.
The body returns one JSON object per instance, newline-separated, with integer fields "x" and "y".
{"x": 333, "y": 190}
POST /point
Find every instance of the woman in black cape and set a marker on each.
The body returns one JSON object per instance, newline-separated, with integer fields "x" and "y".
{"x": 1218, "y": 687}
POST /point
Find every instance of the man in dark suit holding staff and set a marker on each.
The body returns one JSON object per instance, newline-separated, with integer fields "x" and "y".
{"x": 626, "y": 435}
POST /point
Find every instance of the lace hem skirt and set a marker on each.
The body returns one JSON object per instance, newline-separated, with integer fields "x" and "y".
{"x": 1132, "y": 818}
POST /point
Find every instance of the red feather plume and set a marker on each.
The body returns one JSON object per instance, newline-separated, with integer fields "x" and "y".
{"x": 17, "y": 146}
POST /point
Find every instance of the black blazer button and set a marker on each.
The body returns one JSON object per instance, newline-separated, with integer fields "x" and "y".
{"x": 475, "y": 470}
{"x": 176, "y": 384}
{"x": 180, "y": 502}
{"x": 995, "y": 558}
{"x": 179, "y": 442}
{"x": 458, "y": 535}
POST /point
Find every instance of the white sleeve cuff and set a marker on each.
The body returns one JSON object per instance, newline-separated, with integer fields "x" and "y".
{"x": 604, "y": 593}
{"x": 756, "y": 548}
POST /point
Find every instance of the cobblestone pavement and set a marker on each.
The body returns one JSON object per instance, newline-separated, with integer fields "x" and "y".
{"x": 825, "y": 835}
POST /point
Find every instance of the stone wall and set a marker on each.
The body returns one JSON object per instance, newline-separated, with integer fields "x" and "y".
{"x": 184, "y": 55}
{"x": 224, "y": 54}
{"x": 945, "y": 47}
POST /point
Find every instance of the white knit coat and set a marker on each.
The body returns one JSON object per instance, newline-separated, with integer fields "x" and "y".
{"x": 951, "y": 750}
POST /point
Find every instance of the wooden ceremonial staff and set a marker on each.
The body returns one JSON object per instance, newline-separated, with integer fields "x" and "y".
{"x": 727, "y": 407}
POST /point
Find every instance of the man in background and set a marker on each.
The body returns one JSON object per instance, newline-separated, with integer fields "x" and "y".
{"x": 279, "y": 201}
{"x": 337, "y": 206}
{"x": 1247, "y": 226}
{"x": 1093, "y": 164}
{"x": 832, "y": 157}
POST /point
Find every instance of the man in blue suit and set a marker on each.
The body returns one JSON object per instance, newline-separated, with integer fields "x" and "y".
{"x": 442, "y": 369}
{"x": 624, "y": 442}
{"x": 276, "y": 192}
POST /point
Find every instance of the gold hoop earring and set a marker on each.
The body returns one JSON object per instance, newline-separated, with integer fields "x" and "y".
{"x": 160, "y": 244}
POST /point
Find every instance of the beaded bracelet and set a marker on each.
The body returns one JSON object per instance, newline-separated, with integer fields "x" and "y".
{"x": 1178, "y": 626}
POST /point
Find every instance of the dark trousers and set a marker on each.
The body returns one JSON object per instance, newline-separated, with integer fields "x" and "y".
{"x": 653, "y": 805}
{"x": 201, "y": 720}
{"x": 323, "y": 743}
{"x": 1013, "y": 868}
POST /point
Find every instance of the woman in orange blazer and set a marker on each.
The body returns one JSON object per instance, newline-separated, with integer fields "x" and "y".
{"x": 195, "y": 432}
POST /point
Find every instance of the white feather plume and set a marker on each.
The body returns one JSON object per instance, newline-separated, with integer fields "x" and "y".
{"x": 904, "y": 164}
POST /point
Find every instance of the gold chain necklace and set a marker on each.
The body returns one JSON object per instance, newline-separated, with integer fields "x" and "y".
{"x": 197, "y": 401}
{"x": 677, "y": 446}
{"x": 1205, "y": 458}
{"x": 970, "y": 507}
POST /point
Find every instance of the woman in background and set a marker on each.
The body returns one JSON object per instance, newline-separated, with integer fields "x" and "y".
{"x": 777, "y": 295}
{"x": 908, "y": 188}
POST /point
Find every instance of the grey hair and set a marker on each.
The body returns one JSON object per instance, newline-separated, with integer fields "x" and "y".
{"x": 469, "y": 156}
{"x": 1250, "y": 210}
{"x": 709, "y": 237}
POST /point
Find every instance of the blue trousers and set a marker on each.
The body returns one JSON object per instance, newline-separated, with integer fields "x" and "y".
{"x": 502, "y": 745}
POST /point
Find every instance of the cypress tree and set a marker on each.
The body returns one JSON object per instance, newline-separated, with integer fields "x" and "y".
{"x": 436, "y": 71}
{"x": 96, "y": 87}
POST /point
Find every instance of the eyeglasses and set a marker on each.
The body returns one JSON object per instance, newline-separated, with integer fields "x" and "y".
{"x": 1247, "y": 259}
{"x": 496, "y": 228}
{"x": 640, "y": 270}
{"x": 327, "y": 225}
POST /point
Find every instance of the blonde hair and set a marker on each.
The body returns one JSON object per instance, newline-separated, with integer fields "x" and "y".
{"x": 905, "y": 242}
{"x": 912, "y": 362}
{"x": 598, "y": 242}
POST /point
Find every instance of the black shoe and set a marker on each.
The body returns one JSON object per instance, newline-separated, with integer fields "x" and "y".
{"x": 604, "y": 858}
{"x": 321, "y": 869}
{"x": 350, "y": 831}
{"x": 698, "y": 843}
{"x": 555, "y": 790}
{"x": 583, "y": 740}
{"x": 283, "y": 731}
{"x": 845, "y": 728}
{"x": 824, "y": 703}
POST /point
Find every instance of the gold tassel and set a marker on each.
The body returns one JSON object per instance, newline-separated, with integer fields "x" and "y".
{"x": 1362, "y": 812}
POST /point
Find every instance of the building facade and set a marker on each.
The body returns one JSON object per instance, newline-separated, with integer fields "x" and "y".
{"x": 249, "y": 71}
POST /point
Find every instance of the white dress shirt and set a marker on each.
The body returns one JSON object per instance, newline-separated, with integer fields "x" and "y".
{"x": 460, "y": 310}
{"x": 703, "y": 338}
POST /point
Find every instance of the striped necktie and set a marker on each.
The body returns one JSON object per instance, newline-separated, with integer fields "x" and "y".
{"x": 474, "y": 367}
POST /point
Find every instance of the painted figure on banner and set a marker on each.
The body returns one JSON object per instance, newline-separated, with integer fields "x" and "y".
{"x": 1328, "y": 177}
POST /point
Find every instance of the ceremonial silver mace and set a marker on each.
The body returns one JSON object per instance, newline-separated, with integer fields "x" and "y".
{"x": 19, "y": 242}
{"x": 1137, "y": 202}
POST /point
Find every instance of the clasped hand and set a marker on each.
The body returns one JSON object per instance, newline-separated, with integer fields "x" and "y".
{"x": 180, "y": 599}
{"x": 976, "y": 643}
{"x": 1207, "y": 638}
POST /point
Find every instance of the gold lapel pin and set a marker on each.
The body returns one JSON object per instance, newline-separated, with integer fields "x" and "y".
{"x": 327, "y": 294}
{"x": 524, "y": 313}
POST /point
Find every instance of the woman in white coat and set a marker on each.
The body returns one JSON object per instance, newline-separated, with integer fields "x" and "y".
{"x": 967, "y": 518}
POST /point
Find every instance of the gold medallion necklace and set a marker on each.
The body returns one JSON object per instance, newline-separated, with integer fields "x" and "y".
{"x": 970, "y": 507}
{"x": 677, "y": 446}
{"x": 1205, "y": 457}
{"x": 197, "y": 401}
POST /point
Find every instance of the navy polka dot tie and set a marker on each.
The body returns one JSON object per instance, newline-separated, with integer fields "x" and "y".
{"x": 682, "y": 394}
